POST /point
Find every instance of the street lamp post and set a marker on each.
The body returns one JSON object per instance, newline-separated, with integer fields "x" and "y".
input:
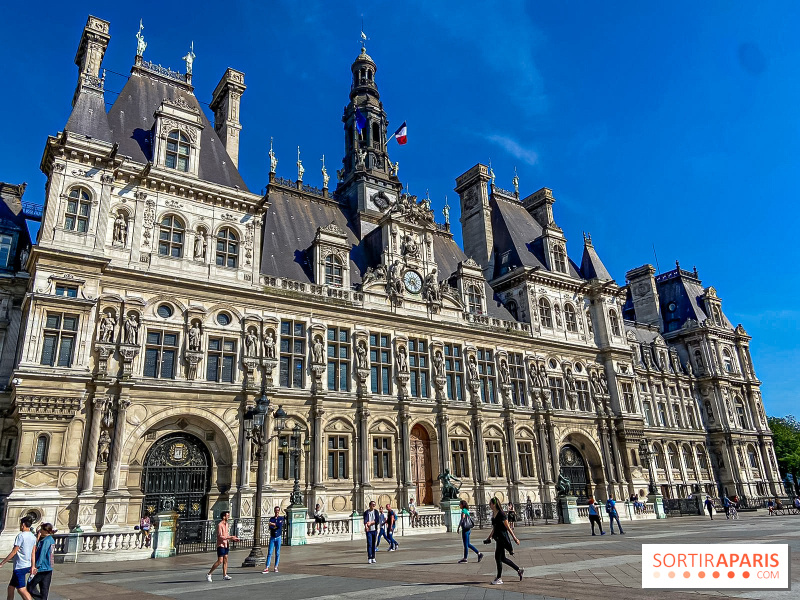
{"x": 293, "y": 450}
{"x": 254, "y": 426}
{"x": 646, "y": 455}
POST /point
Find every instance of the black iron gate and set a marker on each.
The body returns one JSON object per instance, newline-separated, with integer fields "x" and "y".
{"x": 176, "y": 476}
{"x": 201, "y": 536}
{"x": 573, "y": 468}
{"x": 528, "y": 513}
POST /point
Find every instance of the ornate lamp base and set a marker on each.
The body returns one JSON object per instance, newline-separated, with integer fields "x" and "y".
{"x": 256, "y": 558}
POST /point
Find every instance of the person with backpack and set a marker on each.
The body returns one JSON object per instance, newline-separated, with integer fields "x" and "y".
{"x": 613, "y": 515}
{"x": 391, "y": 523}
{"x": 465, "y": 525}
{"x": 594, "y": 517}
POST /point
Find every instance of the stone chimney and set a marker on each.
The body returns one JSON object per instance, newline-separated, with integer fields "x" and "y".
{"x": 225, "y": 104}
{"x": 476, "y": 215}
{"x": 89, "y": 56}
{"x": 642, "y": 284}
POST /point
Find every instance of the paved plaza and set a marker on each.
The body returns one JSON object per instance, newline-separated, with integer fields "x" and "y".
{"x": 559, "y": 561}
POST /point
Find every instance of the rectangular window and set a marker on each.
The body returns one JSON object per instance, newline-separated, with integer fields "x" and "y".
{"x": 662, "y": 415}
{"x": 6, "y": 241}
{"x": 677, "y": 412}
{"x": 525, "y": 451}
{"x": 486, "y": 375}
{"x": 643, "y": 386}
{"x": 286, "y": 460}
{"x": 337, "y": 457}
{"x": 459, "y": 457}
{"x": 690, "y": 414}
{"x": 160, "y": 354}
{"x": 648, "y": 414}
{"x": 516, "y": 370}
{"x": 60, "y": 333}
{"x": 381, "y": 457}
{"x": 380, "y": 359}
{"x": 584, "y": 399}
{"x": 293, "y": 354}
{"x": 628, "y": 401}
{"x": 557, "y": 392}
{"x": 418, "y": 366}
{"x": 454, "y": 371}
{"x": 494, "y": 458}
{"x": 69, "y": 291}
{"x": 338, "y": 359}
{"x": 221, "y": 364}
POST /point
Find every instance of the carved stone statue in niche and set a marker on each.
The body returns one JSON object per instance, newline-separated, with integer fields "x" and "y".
{"x": 594, "y": 380}
{"x": 410, "y": 248}
{"x": 505, "y": 374}
{"x": 402, "y": 360}
{"x": 557, "y": 313}
{"x": 430, "y": 288}
{"x": 438, "y": 364}
{"x": 361, "y": 159}
{"x": 194, "y": 337}
{"x": 395, "y": 282}
{"x": 603, "y": 381}
{"x": 269, "y": 345}
{"x": 472, "y": 366}
{"x": 318, "y": 351}
{"x": 709, "y": 412}
{"x": 533, "y": 375}
{"x": 250, "y": 343}
{"x": 120, "y": 229}
{"x": 132, "y": 329}
{"x": 103, "y": 447}
{"x": 107, "y": 324}
{"x": 570, "y": 379}
{"x": 362, "y": 362}
{"x": 200, "y": 245}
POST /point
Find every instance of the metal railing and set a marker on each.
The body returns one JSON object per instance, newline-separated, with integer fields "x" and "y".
{"x": 528, "y": 513}
{"x": 201, "y": 536}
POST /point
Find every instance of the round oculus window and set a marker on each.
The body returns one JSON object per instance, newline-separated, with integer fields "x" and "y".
{"x": 224, "y": 319}
{"x": 671, "y": 307}
{"x": 164, "y": 311}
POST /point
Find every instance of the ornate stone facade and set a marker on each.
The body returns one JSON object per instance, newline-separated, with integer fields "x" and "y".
{"x": 165, "y": 298}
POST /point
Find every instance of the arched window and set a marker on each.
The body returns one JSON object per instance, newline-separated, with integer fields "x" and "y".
{"x": 570, "y": 319}
{"x": 614, "y": 319}
{"x": 170, "y": 238}
{"x": 673, "y": 459}
{"x": 376, "y": 136}
{"x": 227, "y": 248}
{"x": 634, "y": 460}
{"x": 751, "y": 457}
{"x": 545, "y": 314}
{"x": 79, "y": 206}
{"x": 474, "y": 300}
{"x": 702, "y": 460}
{"x": 659, "y": 456}
{"x": 687, "y": 458}
{"x": 177, "y": 156}
{"x": 717, "y": 316}
{"x": 512, "y": 307}
{"x": 727, "y": 360}
{"x": 41, "y": 450}
{"x": 560, "y": 259}
{"x": 334, "y": 273}
{"x": 740, "y": 414}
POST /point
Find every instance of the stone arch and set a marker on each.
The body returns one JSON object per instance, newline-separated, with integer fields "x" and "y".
{"x": 374, "y": 427}
{"x": 211, "y": 312}
{"x": 493, "y": 431}
{"x": 590, "y": 452}
{"x": 460, "y": 430}
{"x": 526, "y": 433}
{"x": 153, "y": 303}
{"x": 429, "y": 427}
{"x": 340, "y": 424}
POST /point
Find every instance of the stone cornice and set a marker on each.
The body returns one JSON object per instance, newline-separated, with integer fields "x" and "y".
{"x": 54, "y": 408}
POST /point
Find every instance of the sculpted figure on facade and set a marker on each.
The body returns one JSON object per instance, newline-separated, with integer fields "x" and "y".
{"x": 250, "y": 343}
{"x": 103, "y": 447}
{"x": 402, "y": 360}
{"x": 362, "y": 360}
{"x": 569, "y": 378}
{"x": 505, "y": 374}
{"x": 430, "y": 288}
{"x": 269, "y": 345}
{"x": 438, "y": 364}
{"x": 410, "y": 248}
{"x": 472, "y": 367}
{"x": 361, "y": 159}
{"x": 107, "y": 325}
{"x": 318, "y": 351}
{"x": 603, "y": 381}
{"x": 194, "y": 337}
{"x": 533, "y": 375}
{"x": 132, "y": 329}
{"x": 120, "y": 229}
{"x": 395, "y": 279}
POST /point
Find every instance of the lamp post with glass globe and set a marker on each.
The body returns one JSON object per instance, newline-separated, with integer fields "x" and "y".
{"x": 293, "y": 450}
{"x": 255, "y": 430}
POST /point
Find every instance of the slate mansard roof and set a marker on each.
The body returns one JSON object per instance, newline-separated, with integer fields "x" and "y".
{"x": 130, "y": 124}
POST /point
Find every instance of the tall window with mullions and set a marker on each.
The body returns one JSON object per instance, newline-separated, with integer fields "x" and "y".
{"x": 454, "y": 371}
{"x": 293, "y": 354}
{"x": 221, "y": 364}
{"x": 60, "y": 334}
{"x": 160, "y": 354}
{"x": 338, "y": 359}
{"x": 516, "y": 371}
{"x": 380, "y": 359}
{"x": 418, "y": 367}
{"x": 486, "y": 375}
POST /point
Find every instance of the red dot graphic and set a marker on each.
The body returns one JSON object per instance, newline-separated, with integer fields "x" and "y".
{"x": 731, "y": 574}
{"x": 656, "y": 575}
{"x": 701, "y": 574}
{"x": 715, "y": 574}
{"x": 746, "y": 574}
{"x": 672, "y": 574}
{"x": 686, "y": 574}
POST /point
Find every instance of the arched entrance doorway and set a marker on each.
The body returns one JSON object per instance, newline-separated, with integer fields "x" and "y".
{"x": 176, "y": 476}
{"x": 574, "y": 468}
{"x": 421, "y": 464}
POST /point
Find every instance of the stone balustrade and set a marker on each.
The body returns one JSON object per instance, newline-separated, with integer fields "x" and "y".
{"x": 101, "y": 546}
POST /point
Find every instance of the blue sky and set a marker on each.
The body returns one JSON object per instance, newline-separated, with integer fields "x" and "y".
{"x": 675, "y": 127}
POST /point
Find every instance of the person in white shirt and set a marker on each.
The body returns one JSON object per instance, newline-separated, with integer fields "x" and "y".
{"x": 23, "y": 554}
{"x": 412, "y": 510}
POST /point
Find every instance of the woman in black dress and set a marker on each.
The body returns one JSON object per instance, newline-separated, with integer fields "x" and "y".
{"x": 502, "y": 534}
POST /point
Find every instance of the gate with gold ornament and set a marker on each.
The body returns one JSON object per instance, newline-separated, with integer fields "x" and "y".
{"x": 176, "y": 476}
{"x": 574, "y": 468}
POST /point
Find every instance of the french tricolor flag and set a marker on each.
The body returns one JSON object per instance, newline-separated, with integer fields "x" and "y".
{"x": 401, "y": 134}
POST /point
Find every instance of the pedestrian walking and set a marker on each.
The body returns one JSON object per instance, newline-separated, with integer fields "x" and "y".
{"x": 594, "y": 517}
{"x": 613, "y": 515}
{"x": 501, "y": 533}
{"x": 223, "y": 537}
{"x": 391, "y": 524}
{"x": 44, "y": 563}
{"x": 709, "y": 507}
{"x": 276, "y": 524}
{"x": 24, "y": 556}
{"x": 726, "y": 504}
{"x": 371, "y": 529}
{"x": 771, "y": 506}
{"x": 381, "y": 529}
{"x": 511, "y": 514}
{"x": 465, "y": 526}
{"x": 319, "y": 519}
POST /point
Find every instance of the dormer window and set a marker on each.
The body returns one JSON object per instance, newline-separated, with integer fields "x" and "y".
{"x": 170, "y": 237}
{"x": 512, "y": 307}
{"x": 727, "y": 360}
{"x": 559, "y": 259}
{"x": 6, "y": 243}
{"x": 79, "y": 206}
{"x": 334, "y": 272}
{"x": 227, "y": 248}
{"x": 177, "y": 156}
{"x": 570, "y": 318}
{"x": 474, "y": 300}
{"x": 614, "y": 319}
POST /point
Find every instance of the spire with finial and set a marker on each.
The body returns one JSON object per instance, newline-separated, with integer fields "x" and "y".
{"x": 515, "y": 181}
{"x": 300, "y": 169}
{"x": 273, "y": 160}
{"x": 491, "y": 172}
{"x": 446, "y": 212}
{"x": 189, "y": 58}
{"x": 587, "y": 238}
{"x": 325, "y": 177}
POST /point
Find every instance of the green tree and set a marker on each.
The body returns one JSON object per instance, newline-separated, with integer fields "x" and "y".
{"x": 786, "y": 437}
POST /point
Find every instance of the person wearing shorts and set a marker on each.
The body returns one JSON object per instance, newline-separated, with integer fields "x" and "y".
{"x": 24, "y": 556}
{"x": 223, "y": 537}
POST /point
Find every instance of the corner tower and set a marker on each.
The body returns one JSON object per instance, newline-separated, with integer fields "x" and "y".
{"x": 368, "y": 179}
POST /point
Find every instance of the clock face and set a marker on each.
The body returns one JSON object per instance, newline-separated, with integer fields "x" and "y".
{"x": 413, "y": 282}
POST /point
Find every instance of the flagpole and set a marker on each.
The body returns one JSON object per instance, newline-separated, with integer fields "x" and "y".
{"x": 390, "y": 138}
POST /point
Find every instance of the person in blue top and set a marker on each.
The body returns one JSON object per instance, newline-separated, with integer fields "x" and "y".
{"x": 44, "y": 563}
{"x": 381, "y": 529}
{"x": 726, "y": 504}
{"x": 276, "y": 524}
{"x": 613, "y": 515}
{"x": 594, "y": 517}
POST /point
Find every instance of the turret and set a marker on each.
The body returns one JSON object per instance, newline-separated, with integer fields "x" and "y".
{"x": 89, "y": 56}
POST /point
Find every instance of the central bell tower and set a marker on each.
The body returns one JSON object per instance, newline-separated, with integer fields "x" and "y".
{"x": 368, "y": 179}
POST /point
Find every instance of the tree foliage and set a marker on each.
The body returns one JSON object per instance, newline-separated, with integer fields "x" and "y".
{"x": 786, "y": 437}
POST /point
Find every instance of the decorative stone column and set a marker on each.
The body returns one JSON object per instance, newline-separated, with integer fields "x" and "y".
{"x": 545, "y": 467}
{"x": 513, "y": 456}
{"x": 444, "y": 437}
{"x": 479, "y": 461}
{"x": 100, "y": 404}
{"x": 363, "y": 425}
{"x": 405, "y": 437}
